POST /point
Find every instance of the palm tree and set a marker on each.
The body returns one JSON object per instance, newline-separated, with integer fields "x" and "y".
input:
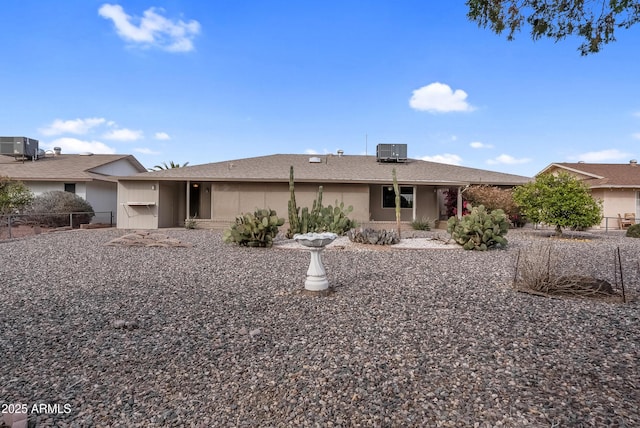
{"x": 170, "y": 166}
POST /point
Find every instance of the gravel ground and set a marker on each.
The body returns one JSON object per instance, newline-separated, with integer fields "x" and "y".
{"x": 217, "y": 335}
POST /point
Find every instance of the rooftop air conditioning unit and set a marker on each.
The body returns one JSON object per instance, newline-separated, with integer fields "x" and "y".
{"x": 19, "y": 147}
{"x": 391, "y": 152}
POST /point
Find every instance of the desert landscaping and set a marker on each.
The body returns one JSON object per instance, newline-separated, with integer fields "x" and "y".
{"x": 212, "y": 334}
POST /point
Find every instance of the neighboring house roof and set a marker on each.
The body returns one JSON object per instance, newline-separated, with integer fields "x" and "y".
{"x": 602, "y": 175}
{"x": 332, "y": 168}
{"x": 65, "y": 167}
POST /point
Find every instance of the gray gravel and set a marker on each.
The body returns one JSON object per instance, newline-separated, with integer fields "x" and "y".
{"x": 217, "y": 335}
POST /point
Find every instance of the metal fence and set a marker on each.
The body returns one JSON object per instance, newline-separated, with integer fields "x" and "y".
{"x": 10, "y": 223}
{"x": 614, "y": 223}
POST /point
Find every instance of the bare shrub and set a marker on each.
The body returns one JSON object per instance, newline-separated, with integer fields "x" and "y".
{"x": 54, "y": 209}
{"x": 539, "y": 271}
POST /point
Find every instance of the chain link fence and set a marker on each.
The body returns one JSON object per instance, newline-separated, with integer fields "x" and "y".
{"x": 16, "y": 225}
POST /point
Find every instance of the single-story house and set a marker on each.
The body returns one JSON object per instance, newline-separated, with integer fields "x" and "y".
{"x": 215, "y": 193}
{"x": 616, "y": 185}
{"x": 90, "y": 176}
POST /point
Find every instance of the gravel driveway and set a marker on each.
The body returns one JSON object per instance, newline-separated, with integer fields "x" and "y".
{"x": 217, "y": 335}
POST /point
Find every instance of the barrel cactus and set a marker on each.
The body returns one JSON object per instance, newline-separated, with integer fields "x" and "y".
{"x": 480, "y": 230}
{"x": 254, "y": 230}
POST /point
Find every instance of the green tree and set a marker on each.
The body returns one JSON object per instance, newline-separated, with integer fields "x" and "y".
{"x": 170, "y": 166}
{"x": 14, "y": 195}
{"x": 561, "y": 200}
{"x": 593, "y": 21}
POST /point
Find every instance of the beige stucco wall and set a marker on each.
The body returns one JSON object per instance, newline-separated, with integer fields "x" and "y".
{"x": 170, "y": 210}
{"x": 138, "y": 217}
{"x": 231, "y": 199}
{"x": 427, "y": 203}
{"x": 616, "y": 201}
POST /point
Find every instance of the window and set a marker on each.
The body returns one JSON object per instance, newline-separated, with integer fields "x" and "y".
{"x": 70, "y": 187}
{"x": 389, "y": 197}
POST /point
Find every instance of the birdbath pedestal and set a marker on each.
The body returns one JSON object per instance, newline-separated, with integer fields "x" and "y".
{"x": 316, "y": 275}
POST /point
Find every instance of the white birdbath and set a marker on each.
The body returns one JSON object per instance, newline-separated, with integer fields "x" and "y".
{"x": 316, "y": 275}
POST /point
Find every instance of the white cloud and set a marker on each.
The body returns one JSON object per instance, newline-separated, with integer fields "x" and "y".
{"x": 123, "y": 134}
{"x": 479, "y": 145}
{"x": 600, "y": 156}
{"x": 153, "y": 29}
{"x": 75, "y": 126}
{"x": 161, "y": 136}
{"x": 447, "y": 158}
{"x": 310, "y": 152}
{"x": 146, "y": 151}
{"x": 439, "y": 98}
{"x": 636, "y": 136}
{"x": 507, "y": 160}
{"x": 636, "y": 114}
{"x": 74, "y": 145}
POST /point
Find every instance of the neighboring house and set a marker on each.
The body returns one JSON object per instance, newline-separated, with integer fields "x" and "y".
{"x": 617, "y": 185}
{"x": 92, "y": 177}
{"x": 216, "y": 193}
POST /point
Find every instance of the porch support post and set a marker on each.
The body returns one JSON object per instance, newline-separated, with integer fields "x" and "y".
{"x": 188, "y": 198}
{"x": 415, "y": 202}
{"x": 459, "y": 203}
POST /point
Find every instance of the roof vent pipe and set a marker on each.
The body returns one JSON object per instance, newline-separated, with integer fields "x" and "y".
{"x": 57, "y": 151}
{"x": 633, "y": 162}
{"x": 340, "y": 153}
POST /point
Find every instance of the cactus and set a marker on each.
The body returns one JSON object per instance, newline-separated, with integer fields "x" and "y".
{"x": 294, "y": 225}
{"x": 396, "y": 190}
{"x": 319, "y": 218}
{"x": 254, "y": 230}
{"x": 479, "y": 230}
{"x": 373, "y": 237}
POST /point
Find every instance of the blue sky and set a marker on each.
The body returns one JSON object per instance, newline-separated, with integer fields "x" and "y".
{"x": 207, "y": 81}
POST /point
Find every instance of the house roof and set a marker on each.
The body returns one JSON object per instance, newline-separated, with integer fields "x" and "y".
{"x": 65, "y": 167}
{"x": 602, "y": 175}
{"x": 332, "y": 168}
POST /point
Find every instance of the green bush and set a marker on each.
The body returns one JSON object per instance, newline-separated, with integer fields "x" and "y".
{"x": 423, "y": 224}
{"x": 54, "y": 209}
{"x": 14, "y": 196}
{"x": 254, "y": 230}
{"x": 633, "y": 231}
{"x": 480, "y": 230}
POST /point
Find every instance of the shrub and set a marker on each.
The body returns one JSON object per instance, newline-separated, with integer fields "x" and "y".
{"x": 423, "y": 224}
{"x": 562, "y": 200}
{"x": 479, "y": 230}
{"x": 373, "y": 237}
{"x": 633, "y": 231}
{"x": 254, "y": 230}
{"x": 14, "y": 196}
{"x": 451, "y": 203}
{"x": 55, "y": 207}
{"x": 495, "y": 198}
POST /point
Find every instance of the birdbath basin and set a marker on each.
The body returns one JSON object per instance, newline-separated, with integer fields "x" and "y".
{"x": 316, "y": 275}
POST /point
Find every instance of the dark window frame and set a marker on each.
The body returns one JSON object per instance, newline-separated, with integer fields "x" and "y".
{"x": 389, "y": 197}
{"x": 70, "y": 187}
